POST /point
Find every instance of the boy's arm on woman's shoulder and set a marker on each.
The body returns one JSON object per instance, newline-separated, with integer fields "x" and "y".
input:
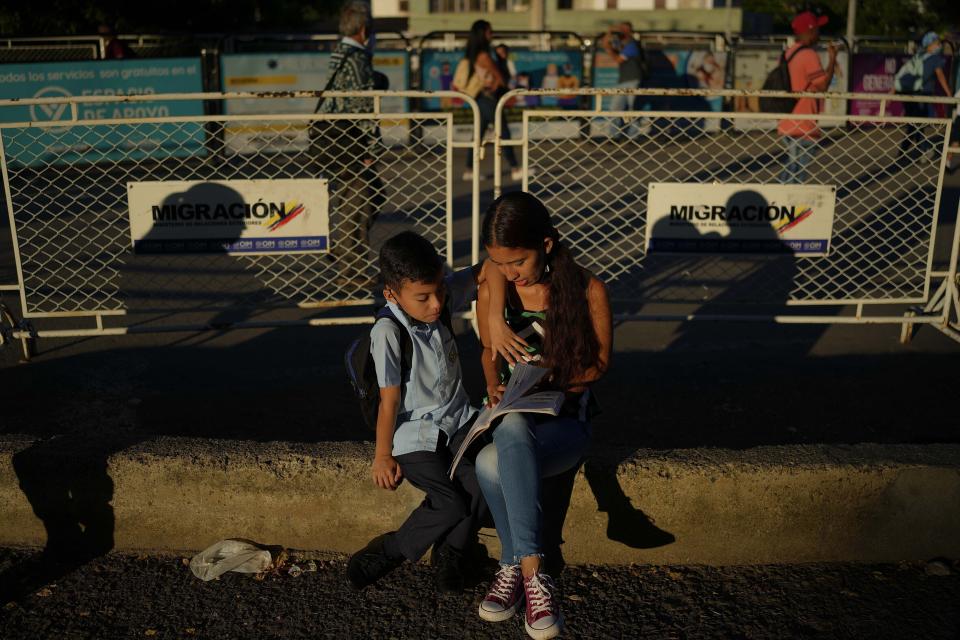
{"x": 462, "y": 285}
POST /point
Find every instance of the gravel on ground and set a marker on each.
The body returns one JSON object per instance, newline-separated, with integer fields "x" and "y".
{"x": 156, "y": 596}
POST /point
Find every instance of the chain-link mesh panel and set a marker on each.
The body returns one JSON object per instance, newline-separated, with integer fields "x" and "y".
{"x": 68, "y": 186}
{"x": 165, "y": 49}
{"x": 49, "y": 53}
{"x": 886, "y": 179}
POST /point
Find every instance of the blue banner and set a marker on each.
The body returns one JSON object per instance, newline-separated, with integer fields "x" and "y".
{"x": 77, "y": 143}
{"x": 280, "y": 72}
{"x": 300, "y": 72}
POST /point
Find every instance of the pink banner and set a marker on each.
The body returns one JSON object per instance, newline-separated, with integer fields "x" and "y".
{"x": 873, "y": 73}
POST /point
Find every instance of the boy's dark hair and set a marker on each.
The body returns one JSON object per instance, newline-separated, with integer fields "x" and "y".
{"x": 409, "y": 256}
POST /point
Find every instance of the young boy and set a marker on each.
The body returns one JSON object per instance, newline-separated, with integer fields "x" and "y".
{"x": 423, "y": 415}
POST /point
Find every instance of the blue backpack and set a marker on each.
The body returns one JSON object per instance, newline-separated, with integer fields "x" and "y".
{"x": 362, "y": 373}
{"x": 909, "y": 78}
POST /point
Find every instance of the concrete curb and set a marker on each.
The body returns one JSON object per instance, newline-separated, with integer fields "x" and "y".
{"x": 869, "y": 503}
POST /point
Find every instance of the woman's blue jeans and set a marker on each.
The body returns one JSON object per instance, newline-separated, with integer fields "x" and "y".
{"x": 525, "y": 449}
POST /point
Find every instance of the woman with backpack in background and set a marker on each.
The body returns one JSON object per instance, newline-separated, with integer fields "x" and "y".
{"x": 478, "y": 75}
{"x": 917, "y": 77}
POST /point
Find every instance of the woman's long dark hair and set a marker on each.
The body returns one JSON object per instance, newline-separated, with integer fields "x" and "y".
{"x": 477, "y": 42}
{"x": 519, "y": 220}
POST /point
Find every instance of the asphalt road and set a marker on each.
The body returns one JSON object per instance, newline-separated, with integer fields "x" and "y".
{"x": 125, "y": 596}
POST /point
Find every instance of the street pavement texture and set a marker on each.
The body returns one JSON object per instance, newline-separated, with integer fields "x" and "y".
{"x": 127, "y": 596}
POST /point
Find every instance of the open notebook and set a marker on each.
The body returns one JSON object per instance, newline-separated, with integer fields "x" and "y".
{"x": 523, "y": 378}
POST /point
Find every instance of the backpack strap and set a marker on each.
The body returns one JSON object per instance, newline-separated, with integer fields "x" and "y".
{"x": 406, "y": 343}
{"x": 793, "y": 55}
{"x": 446, "y": 318}
{"x": 333, "y": 76}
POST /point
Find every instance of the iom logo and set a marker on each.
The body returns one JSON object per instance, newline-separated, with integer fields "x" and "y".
{"x": 50, "y": 112}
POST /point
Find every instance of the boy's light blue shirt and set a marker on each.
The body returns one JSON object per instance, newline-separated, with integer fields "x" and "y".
{"x": 432, "y": 397}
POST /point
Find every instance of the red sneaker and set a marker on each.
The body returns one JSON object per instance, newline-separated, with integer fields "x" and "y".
{"x": 505, "y": 594}
{"x": 543, "y": 619}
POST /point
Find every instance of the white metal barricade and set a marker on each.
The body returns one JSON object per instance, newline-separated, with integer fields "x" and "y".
{"x": 68, "y": 174}
{"x": 595, "y": 169}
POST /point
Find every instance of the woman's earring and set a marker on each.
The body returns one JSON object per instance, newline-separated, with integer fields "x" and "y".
{"x": 546, "y": 269}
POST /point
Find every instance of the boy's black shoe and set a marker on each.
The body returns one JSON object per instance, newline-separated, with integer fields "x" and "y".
{"x": 448, "y": 565}
{"x": 371, "y": 563}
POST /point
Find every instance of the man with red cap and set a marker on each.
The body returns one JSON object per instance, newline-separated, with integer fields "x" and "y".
{"x": 806, "y": 74}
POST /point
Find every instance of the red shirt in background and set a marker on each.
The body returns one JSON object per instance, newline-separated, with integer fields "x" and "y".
{"x": 806, "y": 74}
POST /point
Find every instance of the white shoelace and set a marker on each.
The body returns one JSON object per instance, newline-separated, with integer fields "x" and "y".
{"x": 539, "y": 594}
{"x": 505, "y": 581}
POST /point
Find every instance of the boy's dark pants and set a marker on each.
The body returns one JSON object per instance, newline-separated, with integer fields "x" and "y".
{"x": 451, "y": 510}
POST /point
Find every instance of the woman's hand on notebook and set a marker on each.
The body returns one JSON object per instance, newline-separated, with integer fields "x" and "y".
{"x": 494, "y": 394}
{"x": 505, "y": 342}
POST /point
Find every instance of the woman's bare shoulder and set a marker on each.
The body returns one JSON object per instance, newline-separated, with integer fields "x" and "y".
{"x": 595, "y": 286}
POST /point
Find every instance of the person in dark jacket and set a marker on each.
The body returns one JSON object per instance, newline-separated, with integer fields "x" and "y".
{"x": 352, "y": 149}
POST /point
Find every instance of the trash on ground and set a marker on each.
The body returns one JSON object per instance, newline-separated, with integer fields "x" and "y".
{"x": 242, "y": 556}
{"x": 937, "y": 568}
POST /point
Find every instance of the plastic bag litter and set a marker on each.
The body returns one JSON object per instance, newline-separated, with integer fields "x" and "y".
{"x": 241, "y": 556}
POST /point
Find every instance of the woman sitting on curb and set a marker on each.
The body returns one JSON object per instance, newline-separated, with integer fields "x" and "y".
{"x": 561, "y": 315}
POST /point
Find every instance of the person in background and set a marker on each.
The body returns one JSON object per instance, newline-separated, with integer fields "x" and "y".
{"x": 954, "y": 136}
{"x": 445, "y": 76}
{"x": 551, "y": 80}
{"x": 568, "y": 80}
{"x": 348, "y": 151}
{"x": 524, "y": 81}
{"x": 921, "y": 75}
{"x": 115, "y": 48}
{"x": 620, "y": 44}
{"x": 709, "y": 73}
{"x": 494, "y": 85}
{"x": 800, "y": 136}
{"x": 507, "y": 68}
